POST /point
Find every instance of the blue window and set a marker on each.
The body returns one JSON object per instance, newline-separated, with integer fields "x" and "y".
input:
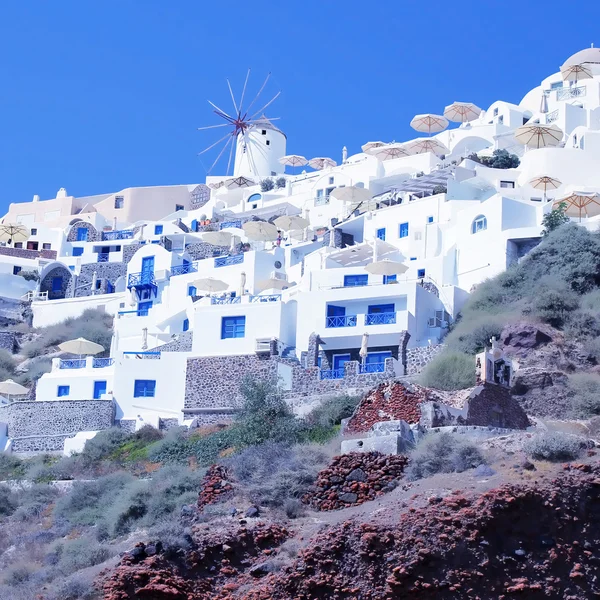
{"x": 381, "y": 233}
{"x": 72, "y": 268}
{"x": 186, "y": 324}
{"x": 319, "y": 361}
{"x": 194, "y": 225}
{"x": 375, "y": 309}
{"x": 144, "y": 388}
{"x": 339, "y": 360}
{"x": 158, "y": 229}
{"x": 119, "y": 201}
{"x": 430, "y": 219}
{"x": 77, "y": 251}
{"x": 99, "y": 389}
{"x": 179, "y": 207}
{"x": 479, "y": 224}
{"x": 192, "y": 291}
{"x": 354, "y": 280}
{"x": 82, "y": 234}
{"x": 413, "y": 258}
{"x": 336, "y": 311}
{"x": 389, "y": 279}
{"x": 156, "y": 241}
{"x": 148, "y": 265}
{"x": 403, "y": 230}
{"x": 421, "y": 273}
{"x": 375, "y": 362}
{"x": 254, "y": 198}
{"x": 98, "y": 283}
{"x": 57, "y": 284}
{"x": 143, "y": 308}
{"x": 63, "y": 390}
{"x": 233, "y": 327}
{"x": 16, "y": 270}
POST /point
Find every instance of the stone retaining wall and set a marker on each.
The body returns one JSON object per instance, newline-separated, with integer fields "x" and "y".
{"x": 8, "y": 341}
{"x": 418, "y": 358}
{"x": 24, "y": 253}
{"x": 39, "y": 443}
{"x": 183, "y": 343}
{"x": 105, "y": 272}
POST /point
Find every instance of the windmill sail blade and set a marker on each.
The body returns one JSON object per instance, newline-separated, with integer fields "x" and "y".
{"x": 266, "y": 105}
{"x": 229, "y": 141}
{"x": 230, "y": 155}
{"x": 213, "y": 126}
{"x": 232, "y": 97}
{"x": 215, "y": 144}
{"x": 244, "y": 90}
{"x": 259, "y": 92}
{"x": 219, "y": 109}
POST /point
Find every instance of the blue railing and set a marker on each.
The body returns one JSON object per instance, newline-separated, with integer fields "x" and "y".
{"x": 378, "y": 367}
{"x": 103, "y": 257}
{"x": 72, "y": 363}
{"x": 226, "y": 300}
{"x": 266, "y": 298}
{"x": 140, "y": 313}
{"x": 191, "y": 267}
{"x": 225, "y": 261}
{"x": 126, "y": 234}
{"x": 100, "y": 363}
{"x": 139, "y": 279}
{"x": 380, "y": 318}
{"x": 332, "y": 374}
{"x": 148, "y": 355}
{"x": 346, "y": 321}
{"x": 226, "y": 224}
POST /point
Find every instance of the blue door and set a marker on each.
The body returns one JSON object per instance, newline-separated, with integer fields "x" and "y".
{"x": 57, "y": 284}
{"x": 99, "y": 389}
{"x": 339, "y": 360}
{"x": 82, "y": 234}
{"x": 147, "y": 269}
{"x": 143, "y": 308}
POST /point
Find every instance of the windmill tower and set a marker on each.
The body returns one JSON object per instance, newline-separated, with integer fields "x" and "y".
{"x": 257, "y": 143}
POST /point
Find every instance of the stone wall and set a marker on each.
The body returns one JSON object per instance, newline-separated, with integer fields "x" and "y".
{"x": 93, "y": 234}
{"x": 183, "y": 343}
{"x": 24, "y": 253}
{"x": 201, "y": 250}
{"x": 418, "y": 358}
{"x": 130, "y": 249}
{"x": 8, "y": 341}
{"x": 39, "y": 444}
{"x": 46, "y": 283}
{"x": 105, "y": 272}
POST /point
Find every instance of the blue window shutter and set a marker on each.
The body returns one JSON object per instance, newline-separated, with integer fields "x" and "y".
{"x": 63, "y": 390}
{"x": 421, "y": 273}
{"x": 403, "y": 232}
{"x": 233, "y": 327}
{"x": 186, "y": 324}
{"x": 82, "y": 234}
{"x": 57, "y": 284}
{"x": 192, "y": 291}
{"x": 77, "y": 251}
{"x": 336, "y": 311}
{"x": 194, "y": 225}
{"x": 99, "y": 389}
{"x": 381, "y": 233}
{"x": 144, "y": 388}
{"x": 158, "y": 229}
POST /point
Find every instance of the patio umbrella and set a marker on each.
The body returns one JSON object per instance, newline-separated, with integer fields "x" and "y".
{"x": 321, "y": 162}
{"x": 370, "y": 145}
{"x": 210, "y": 285}
{"x": 238, "y": 182}
{"x": 386, "y": 266}
{"x": 429, "y": 123}
{"x": 260, "y": 231}
{"x": 364, "y": 346}
{"x": 576, "y": 72}
{"x": 544, "y": 103}
{"x": 145, "y": 338}
{"x": 10, "y": 388}
{"x": 579, "y": 203}
{"x": 461, "y": 112}
{"x": 272, "y": 284}
{"x": 81, "y": 346}
{"x": 293, "y": 160}
{"x": 538, "y": 136}
{"x": 389, "y": 151}
{"x": 422, "y": 145}
{"x": 14, "y": 232}
{"x": 545, "y": 183}
{"x": 293, "y": 223}
{"x": 242, "y": 289}
{"x": 217, "y": 238}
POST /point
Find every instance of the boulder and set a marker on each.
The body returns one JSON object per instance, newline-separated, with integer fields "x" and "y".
{"x": 524, "y": 335}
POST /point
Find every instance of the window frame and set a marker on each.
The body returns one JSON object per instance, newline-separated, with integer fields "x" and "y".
{"x": 421, "y": 273}
{"x": 149, "y": 391}
{"x": 233, "y": 327}
{"x": 119, "y": 202}
{"x": 62, "y": 391}
{"x": 380, "y": 234}
{"x": 158, "y": 229}
{"x": 403, "y": 230}
{"x": 363, "y": 279}
{"x": 475, "y": 228}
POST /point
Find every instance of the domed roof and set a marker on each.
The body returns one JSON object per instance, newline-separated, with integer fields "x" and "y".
{"x": 588, "y": 55}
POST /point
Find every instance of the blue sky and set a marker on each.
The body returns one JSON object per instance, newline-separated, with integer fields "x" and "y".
{"x": 98, "y": 96}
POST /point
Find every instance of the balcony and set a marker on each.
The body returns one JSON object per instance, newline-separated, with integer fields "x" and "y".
{"x": 345, "y": 321}
{"x": 378, "y": 367}
{"x": 332, "y": 374}
{"x": 227, "y": 224}
{"x": 551, "y": 117}
{"x": 138, "y": 313}
{"x": 322, "y": 200}
{"x": 226, "y": 261}
{"x": 191, "y": 267}
{"x": 101, "y": 363}
{"x": 108, "y": 236}
{"x": 570, "y": 92}
{"x": 141, "y": 280}
{"x": 103, "y": 257}
{"x": 266, "y": 298}
{"x": 72, "y": 363}
{"x": 226, "y": 300}
{"x": 380, "y": 319}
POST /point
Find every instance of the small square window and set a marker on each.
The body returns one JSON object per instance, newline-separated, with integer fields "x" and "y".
{"x": 98, "y": 283}
{"x": 16, "y": 270}
{"x": 158, "y": 229}
{"x": 33, "y": 231}
{"x": 71, "y": 267}
{"x": 430, "y": 219}
{"x": 263, "y": 132}
{"x": 421, "y": 273}
{"x": 381, "y": 234}
{"x": 63, "y": 390}
{"x": 254, "y": 205}
{"x": 537, "y": 199}
{"x": 331, "y": 181}
{"x": 179, "y": 207}
{"x": 507, "y": 184}
{"x": 119, "y": 201}
{"x": 46, "y": 246}
{"x": 268, "y": 142}
{"x": 403, "y": 230}
{"x": 77, "y": 251}
{"x": 18, "y": 245}
{"x": 192, "y": 290}
{"x": 186, "y": 324}
{"x": 144, "y": 388}
{"x": 233, "y": 327}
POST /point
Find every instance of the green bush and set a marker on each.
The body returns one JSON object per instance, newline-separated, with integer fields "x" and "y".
{"x": 11, "y": 467}
{"x": 81, "y": 553}
{"x": 554, "y": 446}
{"x": 582, "y": 324}
{"x": 35, "y": 371}
{"x": 332, "y": 410}
{"x": 442, "y": 453}
{"x": 554, "y": 301}
{"x": 585, "y": 392}
{"x": 7, "y": 364}
{"x": 8, "y": 501}
{"x": 449, "y": 370}
{"x": 555, "y": 219}
{"x": 102, "y": 445}
{"x": 472, "y": 335}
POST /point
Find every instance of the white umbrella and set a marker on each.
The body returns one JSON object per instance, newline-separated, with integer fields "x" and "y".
{"x": 580, "y": 203}
{"x": 370, "y": 145}
{"x": 389, "y": 151}
{"x": 81, "y": 346}
{"x": 429, "y": 123}
{"x": 545, "y": 183}
{"x": 293, "y": 223}
{"x": 242, "y": 289}
{"x": 293, "y": 160}
{"x": 351, "y": 193}
{"x": 364, "y": 346}
{"x": 10, "y": 388}
{"x": 272, "y": 284}
{"x": 544, "y": 103}
{"x": 260, "y": 231}
{"x": 210, "y": 285}
{"x": 461, "y": 112}
{"x": 321, "y": 162}
{"x": 217, "y": 238}
{"x": 133, "y": 298}
{"x": 386, "y": 266}
{"x": 422, "y": 145}
{"x": 539, "y": 136}
{"x": 238, "y": 182}
{"x": 14, "y": 232}
{"x": 576, "y": 72}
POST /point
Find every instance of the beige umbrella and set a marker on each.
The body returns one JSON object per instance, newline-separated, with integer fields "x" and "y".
{"x": 352, "y": 194}
{"x": 364, "y": 346}
{"x": 217, "y": 238}
{"x": 545, "y": 183}
{"x": 386, "y": 266}
{"x": 370, "y": 145}
{"x": 389, "y": 151}
{"x": 422, "y": 145}
{"x": 293, "y": 160}
{"x": 260, "y": 231}
{"x": 429, "y": 123}
{"x": 210, "y": 285}
{"x": 10, "y": 388}
{"x": 321, "y": 162}
{"x": 272, "y": 284}
{"x": 14, "y": 232}
{"x": 238, "y": 182}
{"x": 539, "y": 136}
{"x": 242, "y": 289}
{"x": 576, "y": 72}
{"x": 81, "y": 346}
{"x": 145, "y": 338}
{"x": 461, "y": 112}
{"x": 293, "y": 223}
{"x": 580, "y": 203}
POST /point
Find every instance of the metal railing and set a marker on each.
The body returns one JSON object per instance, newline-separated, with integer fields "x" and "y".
{"x": 570, "y": 92}
{"x": 380, "y": 318}
{"x": 266, "y": 298}
{"x": 378, "y": 367}
{"x": 146, "y": 355}
{"x": 103, "y": 257}
{"x": 226, "y": 300}
{"x": 345, "y": 321}
{"x": 551, "y": 117}
{"x": 226, "y": 224}
{"x": 72, "y": 363}
{"x": 191, "y": 267}
{"x": 138, "y": 279}
{"x": 332, "y": 374}
{"x": 31, "y": 296}
{"x": 225, "y": 261}
{"x": 140, "y": 313}
{"x": 100, "y": 363}
{"x": 321, "y": 200}
{"x": 126, "y": 234}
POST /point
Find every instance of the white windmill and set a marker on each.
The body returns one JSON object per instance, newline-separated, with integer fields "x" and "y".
{"x": 258, "y": 144}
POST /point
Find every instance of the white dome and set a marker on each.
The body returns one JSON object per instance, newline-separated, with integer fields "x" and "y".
{"x": 589, "y": 55}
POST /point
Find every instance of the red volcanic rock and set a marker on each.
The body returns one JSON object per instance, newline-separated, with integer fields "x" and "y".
{"x": 215, "y": 486}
